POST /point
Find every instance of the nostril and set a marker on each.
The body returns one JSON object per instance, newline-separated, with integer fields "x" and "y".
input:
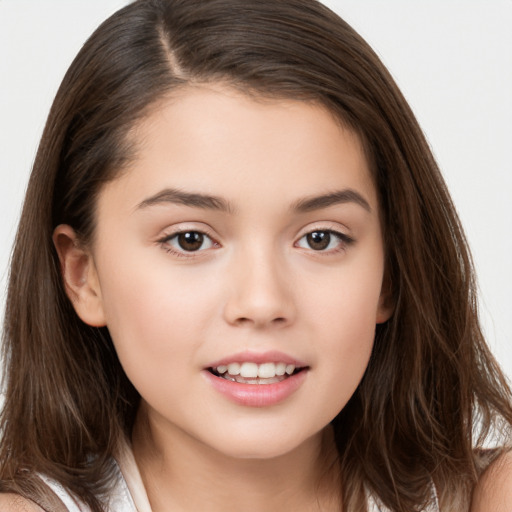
{"x": 276, "y": 321}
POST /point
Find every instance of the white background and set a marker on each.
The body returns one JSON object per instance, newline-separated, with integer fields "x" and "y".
{"x": 452, "y": 60}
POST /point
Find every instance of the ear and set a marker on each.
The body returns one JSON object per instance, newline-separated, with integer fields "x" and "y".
{"x": 386, "y": 305}
{"x": 80, "y": 276}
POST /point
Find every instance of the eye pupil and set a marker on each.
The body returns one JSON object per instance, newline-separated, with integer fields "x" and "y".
{"x": 190, "y": 240}
{"x": 319, "y": 240}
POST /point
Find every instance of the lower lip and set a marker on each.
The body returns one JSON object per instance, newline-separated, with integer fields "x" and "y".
{"x": 257, "y": 395}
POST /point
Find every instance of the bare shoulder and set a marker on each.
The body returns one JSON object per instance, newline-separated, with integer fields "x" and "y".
{"x": 494, "y": 490}
{"x": 10, "y": 502}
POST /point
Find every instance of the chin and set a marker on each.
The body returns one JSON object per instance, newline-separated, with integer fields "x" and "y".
{"x": 268, "y": 446}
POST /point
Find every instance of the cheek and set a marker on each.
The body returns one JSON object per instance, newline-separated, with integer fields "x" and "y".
{"x": 346, "y": 300}
{"x": 155, "y": 316}
{"x": 340, "y": 372}
{"x": 348, "y": 334}
{"x": 342, "y": 313}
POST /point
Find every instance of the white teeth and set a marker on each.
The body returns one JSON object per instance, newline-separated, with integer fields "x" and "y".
{"x": 290, "y": 368}
{"x": 267, "y": 370}
{"x": 280, "y": 368}
{"x": 273, "y": 380}
{"x": 249, "y": 370}
{"x": 252, "y": 370}
{"x": 233, "y": 369}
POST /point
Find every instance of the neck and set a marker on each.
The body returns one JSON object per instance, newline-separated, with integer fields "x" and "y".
{"x": 182, "y": 474}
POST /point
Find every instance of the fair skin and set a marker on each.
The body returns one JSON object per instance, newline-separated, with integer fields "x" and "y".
{"x": 494, "y": 490}
{"x": 289, "y": 269}
{"x": 286, "y": 263}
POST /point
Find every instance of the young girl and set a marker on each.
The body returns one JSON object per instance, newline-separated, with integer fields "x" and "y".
{"x": 239, "y": 283}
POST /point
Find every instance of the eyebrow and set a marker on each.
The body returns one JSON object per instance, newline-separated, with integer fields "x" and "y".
{"x": 348, "y": 195}
{"x": 192, "y": 199}
{"x": 210, "y": 202}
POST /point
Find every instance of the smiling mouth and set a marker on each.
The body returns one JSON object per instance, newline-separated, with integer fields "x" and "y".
{"x": 252, "y": 373}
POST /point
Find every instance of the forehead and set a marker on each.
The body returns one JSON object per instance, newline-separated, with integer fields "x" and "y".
{"x": 214, "y": 139}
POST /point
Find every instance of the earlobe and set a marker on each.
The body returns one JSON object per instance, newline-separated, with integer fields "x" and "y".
{"x": 384, "y": 311}
{"x": 386, "y": 305}
{"x": 79, "y": 276}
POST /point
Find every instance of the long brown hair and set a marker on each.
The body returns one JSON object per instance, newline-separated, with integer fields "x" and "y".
{"x": 432, "y": 393}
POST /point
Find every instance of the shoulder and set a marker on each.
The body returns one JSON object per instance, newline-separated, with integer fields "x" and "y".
{"x": 10, "y": 502}
{"x": 494, "y": 490}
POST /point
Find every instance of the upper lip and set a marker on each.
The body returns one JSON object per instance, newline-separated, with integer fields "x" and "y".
{"x": 272, "y": 356}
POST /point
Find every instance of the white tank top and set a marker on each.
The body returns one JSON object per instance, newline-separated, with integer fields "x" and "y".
{"x": 127, "y": 495}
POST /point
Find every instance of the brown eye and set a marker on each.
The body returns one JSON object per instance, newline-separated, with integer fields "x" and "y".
{"x": 318, "y": 240}
{"x": 325, "y": 240}
{"x": 190, "y": 240}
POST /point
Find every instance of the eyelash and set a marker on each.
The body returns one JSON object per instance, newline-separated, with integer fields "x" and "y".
{"x": 164, "y": 242}
{"x": 344, "y": 242}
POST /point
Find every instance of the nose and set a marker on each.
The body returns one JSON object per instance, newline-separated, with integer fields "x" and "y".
{"x": 260, "y": 291}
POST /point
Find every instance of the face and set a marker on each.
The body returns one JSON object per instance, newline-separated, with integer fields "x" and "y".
{"x": 238, "y": 265}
